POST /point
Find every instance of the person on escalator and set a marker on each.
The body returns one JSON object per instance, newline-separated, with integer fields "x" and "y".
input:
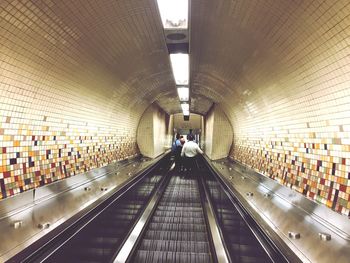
{"x": 189, "y": 151}
{"x": 182, "y": 140}
{"x": 177, "y": 147}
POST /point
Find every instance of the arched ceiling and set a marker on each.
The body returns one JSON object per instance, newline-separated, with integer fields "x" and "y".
{"x": 232, "y": 47}
{"x": 238, "y": 49}
{"x": 257, "y": 57}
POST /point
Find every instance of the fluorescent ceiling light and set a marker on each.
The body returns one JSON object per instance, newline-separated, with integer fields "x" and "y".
{"x": 184, "y": 93}
{"x": 186, "y": 113}
{"x": 179, "y": 64}
{"x": 185, "y": 106}
{"x": 174, "y": 13}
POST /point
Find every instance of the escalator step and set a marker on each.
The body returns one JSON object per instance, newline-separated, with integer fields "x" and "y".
{"x": 178, "y": 227}
{"x": 181, "y": 204}
{"x": 179, "y": 208}
{"x": 180, "y": 236}
{"x": 175, "y": 246}
{"x": 179, "y": 213}
{"x": 178, "y": 220}
{"x": 176, "y": 257}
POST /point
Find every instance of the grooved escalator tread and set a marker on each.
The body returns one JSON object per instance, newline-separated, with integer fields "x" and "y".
{"x": 177, "y": 231}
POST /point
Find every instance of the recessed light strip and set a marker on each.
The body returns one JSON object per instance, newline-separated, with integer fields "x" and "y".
{"x": 184, "y": 94}
{"x": 180, "y": 66}
{"x": 185, "y": 106}
{"x": 174, "y": 16}
{"x": 174, "y": 13}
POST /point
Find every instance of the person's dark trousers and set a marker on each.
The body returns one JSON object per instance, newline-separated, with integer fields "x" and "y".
{"x": 191, "y": 166}
{"x": 178, "y": 161}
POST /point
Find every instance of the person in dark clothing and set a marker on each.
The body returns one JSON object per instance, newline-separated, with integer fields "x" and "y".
{"x": 177, "y": 150}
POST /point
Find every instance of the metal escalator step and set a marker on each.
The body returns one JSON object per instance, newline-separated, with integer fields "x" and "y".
{"x": 176, "y": 257}
{"x": 178, "y": 220}
{"x": 178, "y": 227}
{"x": 180, "y": 236}
{"x": 179, "y": 208}
{"x": 175, "y": 246}
{"x": 177, "y": 231}
{"x": 181, "y": 204}
{"x": 179, "y": 213}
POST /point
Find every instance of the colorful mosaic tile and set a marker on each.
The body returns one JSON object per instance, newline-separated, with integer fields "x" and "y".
{"x": 32, "y": 160}
{"x": 63, "y": 111}
{"x": 316, "y": 170}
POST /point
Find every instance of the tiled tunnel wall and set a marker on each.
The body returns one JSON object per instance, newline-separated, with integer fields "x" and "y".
{"x": 193, "y": 123}
{"x": 154, "y": 132}
{"x": 218, "y": 134}
{"x": 292, "y": 120}
{"x": 39, "y": 146}
{"x": 60, "y": 107}
{"x": 279, "y": 70}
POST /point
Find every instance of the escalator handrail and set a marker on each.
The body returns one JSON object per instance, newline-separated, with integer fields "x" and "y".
{"x": 136, "y": 232}
{"x": 47, "y": 244}
{"x": 218, "y": 244}
{"x": 276, "y": 249}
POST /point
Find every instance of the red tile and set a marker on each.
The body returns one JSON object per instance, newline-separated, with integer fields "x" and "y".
{"x": 342, "y": 188}
{"x": 329, "y": 193}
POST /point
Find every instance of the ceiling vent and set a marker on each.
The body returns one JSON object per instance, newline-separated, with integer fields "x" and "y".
{"x": 177, "y": 40}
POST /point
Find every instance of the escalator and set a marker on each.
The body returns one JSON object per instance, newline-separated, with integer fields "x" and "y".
{"x": 240, "y": 241}
{"x": 99, "y": 234}
{"x": 177, "y": 232}
{"x": 102, "y": 237}
{"x": 179, "y": 219}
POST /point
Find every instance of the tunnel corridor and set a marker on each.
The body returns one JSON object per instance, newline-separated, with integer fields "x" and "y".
{"x": 86, "y": 85}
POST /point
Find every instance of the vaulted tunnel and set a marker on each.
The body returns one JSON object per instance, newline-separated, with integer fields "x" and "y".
{"x": 77, "y": 78}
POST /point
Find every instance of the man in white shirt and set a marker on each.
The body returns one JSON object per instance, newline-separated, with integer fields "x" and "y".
{"x": 189, "y": 151}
